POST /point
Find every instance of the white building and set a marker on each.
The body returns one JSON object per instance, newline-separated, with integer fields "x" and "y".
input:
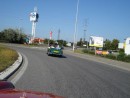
{"x": 127, "y": 46}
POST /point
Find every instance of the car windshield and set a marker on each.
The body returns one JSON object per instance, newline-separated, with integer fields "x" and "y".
{"x": 69, "y": 48}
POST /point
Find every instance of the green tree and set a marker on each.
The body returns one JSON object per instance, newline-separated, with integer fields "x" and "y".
{"x": 62, "y": 42}
{"x": 12, "y": 36}
{"x": 114, "y": 44}
{"x": 46, "y": 41}
{"x": 107, "y": 44}
{"x": 80, "y": 43}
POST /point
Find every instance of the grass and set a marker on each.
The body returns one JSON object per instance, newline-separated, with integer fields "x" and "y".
{"x": 7, "y": 57}
{"x": 34, "y": 45}
{"x": 84, "y": 51}
{"x": 78, "y": 51}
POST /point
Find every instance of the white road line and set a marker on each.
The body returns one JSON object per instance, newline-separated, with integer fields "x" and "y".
{"x": 21, "y": 72}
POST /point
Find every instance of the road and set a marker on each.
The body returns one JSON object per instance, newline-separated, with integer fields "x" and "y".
{"x": 71, "y": 77}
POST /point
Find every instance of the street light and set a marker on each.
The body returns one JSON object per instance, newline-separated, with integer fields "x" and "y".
{"x": 76, "y": 20}
{"x": 20, "y": 27}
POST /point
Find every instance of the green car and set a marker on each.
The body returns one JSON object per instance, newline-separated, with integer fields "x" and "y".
{"x": 54, "y": 51}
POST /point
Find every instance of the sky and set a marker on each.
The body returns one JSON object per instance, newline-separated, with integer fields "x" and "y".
{"x": 109, "y": 19}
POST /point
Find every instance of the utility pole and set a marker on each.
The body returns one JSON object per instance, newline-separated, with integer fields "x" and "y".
{"x": 84, "y": 39}
{"x": 85, "y": 30}
{"x": 76, "y": 20}
{"x": 58, "y": 34}
{"x": 20, "y": 27}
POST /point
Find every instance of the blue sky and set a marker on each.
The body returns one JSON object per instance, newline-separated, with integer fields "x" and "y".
{"x": 107, "y": 18}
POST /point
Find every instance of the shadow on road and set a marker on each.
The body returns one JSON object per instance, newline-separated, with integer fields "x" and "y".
{"x": 63, "y": 56}
{"x": 58, "y": 56}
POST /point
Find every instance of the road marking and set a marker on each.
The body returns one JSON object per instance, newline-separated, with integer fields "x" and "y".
{"x": 21, "y": 72}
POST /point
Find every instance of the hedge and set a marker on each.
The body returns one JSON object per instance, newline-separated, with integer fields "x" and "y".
{"x": 121, "y": 57}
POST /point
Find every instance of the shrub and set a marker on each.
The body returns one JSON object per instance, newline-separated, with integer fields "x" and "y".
{"x": 111, "y": 56}
{"x": 92, "y": 52}
{"x": 127, "y": 58}
{"x": 85, "y": 51}
{"x": 88, "y": 51}
{"x": 121, "y": 56}
{"x": 121, "y": 51}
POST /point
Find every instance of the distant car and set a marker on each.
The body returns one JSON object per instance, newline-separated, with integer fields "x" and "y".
{"x": 54, "y": 50}
{"x": 7, "y": 90}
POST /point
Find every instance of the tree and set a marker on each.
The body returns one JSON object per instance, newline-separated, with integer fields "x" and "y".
{"x": 114, "y": 44}
{"x": 107, "y": 44}
{"x": 111, "y": 45}
{"x": 62, "y": 42}
{"x": 46, "y": 41}
{"x": 80, "y": 43}
{"x": 12, "y": 36}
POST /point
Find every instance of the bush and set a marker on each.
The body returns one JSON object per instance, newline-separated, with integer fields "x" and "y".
{"x": 92, "y": 52}
{"x": 111, "y": 56}
{"x": 127, "y": 58}
{"x": 85, "y": 51}
{"x": 12, "y": 36}
{"x": 88, "y": 51}
{"x": 121, "y": 51}
{"x": 121, "y": 56}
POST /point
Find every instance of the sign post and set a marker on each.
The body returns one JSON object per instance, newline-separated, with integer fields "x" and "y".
{"x": 34, "y": 18}
{"x": 50, "y": 35}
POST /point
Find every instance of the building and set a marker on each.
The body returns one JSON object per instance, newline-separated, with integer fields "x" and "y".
{"x": 127, "y": 46}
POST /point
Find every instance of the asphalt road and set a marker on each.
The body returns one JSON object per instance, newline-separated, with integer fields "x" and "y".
{"x": 72, "y": 77}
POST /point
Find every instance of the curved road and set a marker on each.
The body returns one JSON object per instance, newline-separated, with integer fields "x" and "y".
{"x": 71, "y": 77}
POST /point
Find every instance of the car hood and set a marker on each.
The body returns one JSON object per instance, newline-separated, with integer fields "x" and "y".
{"x": 25, "y": 94}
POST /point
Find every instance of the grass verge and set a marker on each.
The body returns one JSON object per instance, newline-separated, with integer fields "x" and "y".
{"x": 7, "y": 57}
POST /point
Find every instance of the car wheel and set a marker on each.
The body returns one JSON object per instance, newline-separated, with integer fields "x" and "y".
{"x": 48, "y": 53}
{"x": 60, "y": 55}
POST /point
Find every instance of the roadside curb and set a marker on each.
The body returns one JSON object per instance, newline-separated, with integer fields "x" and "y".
{"x": 9, "y": 71}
